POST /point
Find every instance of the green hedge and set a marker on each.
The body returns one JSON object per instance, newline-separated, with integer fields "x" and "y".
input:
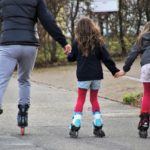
{"x": 132, "y": 99}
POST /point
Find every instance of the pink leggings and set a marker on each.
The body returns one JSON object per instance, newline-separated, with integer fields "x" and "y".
{"x": 81, "y": 100}
{"x": 145, "y": 108}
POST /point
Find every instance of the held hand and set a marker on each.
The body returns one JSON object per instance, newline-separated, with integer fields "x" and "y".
{"x": 67, "y": 49}
{"x": 119, "y": 74}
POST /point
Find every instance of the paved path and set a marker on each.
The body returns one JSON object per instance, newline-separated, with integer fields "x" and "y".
{"x": 50, "y": 116}
{"x": 115, "y": 89}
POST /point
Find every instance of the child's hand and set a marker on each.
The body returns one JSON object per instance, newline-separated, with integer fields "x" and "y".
{"x": 119, "y": 74}
{"x": 67, "y": 49}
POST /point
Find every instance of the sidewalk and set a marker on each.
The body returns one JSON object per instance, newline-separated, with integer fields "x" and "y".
{"x": 114, "y": 89}
{"x": 50, "y": 116}
{"x": 52, "y": 100}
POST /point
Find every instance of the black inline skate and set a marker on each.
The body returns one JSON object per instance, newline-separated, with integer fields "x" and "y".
{"x": 143, "y": 125}
{"x": 98, "y": 132}
{"x": 75, "y": 125}
{"x": 23, "y": 117}
{"x": 74, "y": 131}
{"x": 98, "y": 124}
{"x": 1, "y": 111}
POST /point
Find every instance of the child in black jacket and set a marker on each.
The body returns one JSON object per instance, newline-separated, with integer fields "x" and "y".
{"x": 89, "y": 50}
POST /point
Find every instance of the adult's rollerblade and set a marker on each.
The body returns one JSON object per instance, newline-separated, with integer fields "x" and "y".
{"x": 23, "y": 117}
{"x": 143, "y": 125}
{"x": 75, "y": 125}
{"x": 98, "y": 124}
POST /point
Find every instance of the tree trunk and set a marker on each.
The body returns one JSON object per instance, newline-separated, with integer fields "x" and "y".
{"x": 140, "y": 17}
{"x": 73, "y": 14}
{"x": 100, "y": 22}
{"x": 53, "y": 51}
{"x": 147, "y": 7}
{"x": 121, "y": 34}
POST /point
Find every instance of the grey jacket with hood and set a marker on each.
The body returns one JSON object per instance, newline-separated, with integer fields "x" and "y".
{"x": 135, "y": 51}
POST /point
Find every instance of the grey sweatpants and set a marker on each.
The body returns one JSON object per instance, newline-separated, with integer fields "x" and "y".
{"x": 24, "y": 57}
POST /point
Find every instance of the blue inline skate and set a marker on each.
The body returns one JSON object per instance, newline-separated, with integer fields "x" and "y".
{"x": 75, "y": 125}
{"x": 97, "y": 125}
{"x": 22, "y": 117}
{"x": 143, "y": 125}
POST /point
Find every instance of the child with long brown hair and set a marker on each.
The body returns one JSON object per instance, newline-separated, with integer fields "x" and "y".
{"x": 142, "y": 46}
{"x": 89, "y": 50}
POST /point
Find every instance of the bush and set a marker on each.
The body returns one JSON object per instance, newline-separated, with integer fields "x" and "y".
{"x": 132, "y": 99}
{"x": 114, "y": 46}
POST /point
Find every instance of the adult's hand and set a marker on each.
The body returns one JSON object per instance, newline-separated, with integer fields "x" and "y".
{"x": 67, "y": 49}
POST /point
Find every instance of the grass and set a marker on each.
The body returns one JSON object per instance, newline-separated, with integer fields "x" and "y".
{"x": 133, "y": 99}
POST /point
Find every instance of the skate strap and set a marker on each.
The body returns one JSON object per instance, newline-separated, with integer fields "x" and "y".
{"x": 77, "y": 116}
{"x": 97, "y": 116}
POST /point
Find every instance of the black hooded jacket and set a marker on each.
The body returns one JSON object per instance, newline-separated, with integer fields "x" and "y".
{"x": 135, "y": 51}
{"x": 19, "y": 18}
{"x": 90, "y": 68}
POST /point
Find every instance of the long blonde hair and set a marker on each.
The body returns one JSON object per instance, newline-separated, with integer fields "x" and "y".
{"x": 87, "y": 35}
{"x": 146, "y": 29}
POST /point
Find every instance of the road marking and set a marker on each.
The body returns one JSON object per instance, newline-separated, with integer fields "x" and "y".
{"x": 17, "y": 144}
{"x": 132, "y": 78}
{"x": 120, "y": 114}
{"x": 13, "y": 141}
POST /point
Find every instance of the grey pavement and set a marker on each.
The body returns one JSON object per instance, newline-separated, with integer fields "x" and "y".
{"x": 114, "y": 89}
{"x": 50, "y": 116}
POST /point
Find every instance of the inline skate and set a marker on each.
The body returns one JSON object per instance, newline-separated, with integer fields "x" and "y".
{"x": 143, "y": 125}
{"x": 22, "y": 117}
{"x": 97, "y": 125}
{"x": 1, "y": 111}
{"x": 75, "y": 125}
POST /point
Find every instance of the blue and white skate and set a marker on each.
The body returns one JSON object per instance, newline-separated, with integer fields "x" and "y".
{"x": 75, "y": 125}
{"x": 98, "y": 124}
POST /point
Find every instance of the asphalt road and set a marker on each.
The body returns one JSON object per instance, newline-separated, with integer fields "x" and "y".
{"x": 111, "y": 88}
{"x": 50, "y": 116}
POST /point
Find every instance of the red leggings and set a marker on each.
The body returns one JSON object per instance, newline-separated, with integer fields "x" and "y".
{"x": 145, "y": 108}
{"x": 81, "y": 100}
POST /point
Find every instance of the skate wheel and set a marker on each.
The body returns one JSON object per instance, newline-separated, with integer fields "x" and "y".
{"x": 102, "y": 133}
{"x": 143, "y": 134}
{"x": 99, "y": 133}
{"x": 73, "y": 134}
{"x": 22, "y": 131}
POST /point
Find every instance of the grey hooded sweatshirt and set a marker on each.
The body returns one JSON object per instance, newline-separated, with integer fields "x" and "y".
{"x": 136, "y": 50}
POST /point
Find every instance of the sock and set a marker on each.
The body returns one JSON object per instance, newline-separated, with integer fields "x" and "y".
{"x": 80, "y": 100}
{"x": 94, "y": 100}
{"x": 145, "y": 108}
